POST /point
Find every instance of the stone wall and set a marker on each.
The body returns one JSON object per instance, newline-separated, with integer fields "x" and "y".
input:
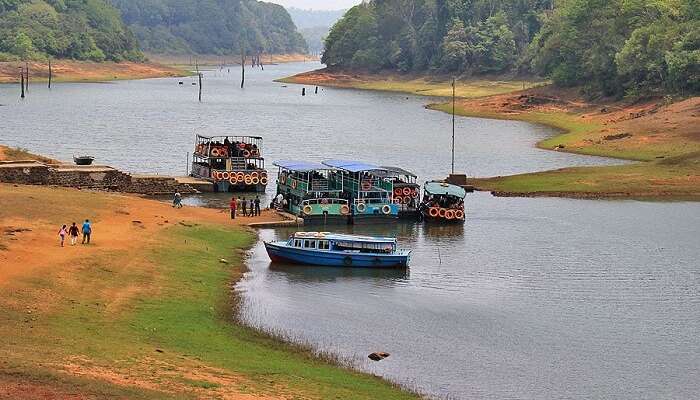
{"x": 88, "y": 177}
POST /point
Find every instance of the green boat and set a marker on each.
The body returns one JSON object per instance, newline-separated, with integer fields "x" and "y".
{"x": 304, "y": 190}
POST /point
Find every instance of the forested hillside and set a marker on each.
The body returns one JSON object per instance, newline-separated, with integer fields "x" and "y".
{"x": 611, "y": 47}
{"x": 314, "y": 25}
{"x": 211, "y": 26}
{"x": 76, "y": 29}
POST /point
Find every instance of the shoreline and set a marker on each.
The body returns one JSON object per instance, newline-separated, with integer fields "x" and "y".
{"x": 86, "y": 71}
{"x": 669, "y": 161}
{"x": 145, "y": 311}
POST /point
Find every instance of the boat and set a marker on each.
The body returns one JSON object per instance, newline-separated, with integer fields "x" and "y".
{"x": 231, "y": 163}
{"x": 83, "y": 160}
{"x": 309, "y": 194}
{"x": 443, "y": 202}
{"x": 406, "y": 192}
{"x": 339, "y": 250}
{"x": 367, "y": 188}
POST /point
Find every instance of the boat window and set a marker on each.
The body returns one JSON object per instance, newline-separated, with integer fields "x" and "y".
{"x": 309, "y": 244}
{"x": 323, "y": 245}
{"x": 297, "y": 243}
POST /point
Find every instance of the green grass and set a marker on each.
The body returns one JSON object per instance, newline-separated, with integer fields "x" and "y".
{"x": 181, "y": 315}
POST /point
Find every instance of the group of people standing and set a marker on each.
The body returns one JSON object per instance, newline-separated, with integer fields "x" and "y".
{"x": 73, "y": 233}
{"x": 249, "y": 208}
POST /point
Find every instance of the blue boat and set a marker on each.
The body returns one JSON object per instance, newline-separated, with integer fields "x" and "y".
{"x": 367, "y": 187}
{"x": 339, "y": 250}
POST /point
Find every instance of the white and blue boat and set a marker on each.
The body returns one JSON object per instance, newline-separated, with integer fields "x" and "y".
{"x": 339, "y": 250}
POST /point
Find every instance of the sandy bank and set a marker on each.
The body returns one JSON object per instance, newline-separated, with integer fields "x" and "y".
{"x": 85, "y": 71}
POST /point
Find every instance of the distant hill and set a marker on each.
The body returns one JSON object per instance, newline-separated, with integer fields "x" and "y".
{"x": 211, "y": 26}
{"x": 314, "y": 25}
{"x": 77, "y": 29}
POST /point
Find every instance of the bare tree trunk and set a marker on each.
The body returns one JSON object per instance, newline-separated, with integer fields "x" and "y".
{"x": 26, "y": 81}
{"x": 50, "y": 73}
{"x": 200, "y": 86}
{"x": 21, "y": 81}
{"x": 242, "y": 67}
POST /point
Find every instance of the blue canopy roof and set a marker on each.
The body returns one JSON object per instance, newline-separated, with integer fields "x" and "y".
{"x": 299, "y": 166}
{"x": 352, "y": 166}
{"x": 444, "y": 189}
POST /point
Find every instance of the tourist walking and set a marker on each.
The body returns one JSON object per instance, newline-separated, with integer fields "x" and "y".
{"x": 251, "y": 206}
{"x": 244, "y": 206}
{"x": 62, "y": 233}
{"x": 177, "y": 200}
{"x": 233, "y": 207}
{"x": 257, "y": 206}
{"x": 87, "y": 231}
{"x": 73, "y": 233}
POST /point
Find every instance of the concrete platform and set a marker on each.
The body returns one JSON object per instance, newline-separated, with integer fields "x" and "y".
{"x": 201, "y": 185}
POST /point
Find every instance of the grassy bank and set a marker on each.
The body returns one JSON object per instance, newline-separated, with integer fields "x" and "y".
{"x": 85, "y": 71}
{"x": 664, "y": 135}
{"x": 19, "y": 154}
{"x": 418, "y": 85}
{"x": 146, "y": 311}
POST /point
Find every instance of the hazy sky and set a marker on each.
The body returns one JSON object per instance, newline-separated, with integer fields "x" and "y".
{"x": 317, "y": 4}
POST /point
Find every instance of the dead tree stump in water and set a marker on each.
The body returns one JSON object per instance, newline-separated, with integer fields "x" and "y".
{"x": 26, "y": 79}
{"x": 303, "y": 91}
{"x": 21, "y": 81}
{"x": 242, "y": 67}
{"x": 50, "y": 73}
{"x": 200, "y": 87}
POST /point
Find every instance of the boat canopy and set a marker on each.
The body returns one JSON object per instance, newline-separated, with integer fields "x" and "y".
{"x": 228, "y": 136}
{"x": 343, "y": 237}
{"x": 396, "y": 171}
{"x": 299, "y": 166}
{"x": 441, "y": 188}
{"x": 352, "y": 166}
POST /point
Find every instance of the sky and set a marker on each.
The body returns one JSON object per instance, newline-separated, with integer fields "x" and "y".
{"x": 317, "y": 4}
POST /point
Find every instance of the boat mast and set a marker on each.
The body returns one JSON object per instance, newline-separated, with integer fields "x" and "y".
{"x": 453, "y": 126}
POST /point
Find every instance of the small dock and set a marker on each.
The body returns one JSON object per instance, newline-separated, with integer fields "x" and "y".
{"x": 289, "y": 221}
{"x": 201, "y": 185}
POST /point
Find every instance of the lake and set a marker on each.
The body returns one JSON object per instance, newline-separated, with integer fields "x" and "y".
{"x": 529, "y": 299}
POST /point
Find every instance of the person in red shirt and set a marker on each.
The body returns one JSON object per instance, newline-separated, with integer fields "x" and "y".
{"x": 233, "y": 205}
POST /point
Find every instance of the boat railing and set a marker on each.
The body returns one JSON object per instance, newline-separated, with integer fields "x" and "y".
{"x": 324, "y": 201}
{"x": 368, "y": 184}
{"x": 371, "y": 200}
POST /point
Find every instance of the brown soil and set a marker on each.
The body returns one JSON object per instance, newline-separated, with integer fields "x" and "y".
{"x": 76, "y": 71}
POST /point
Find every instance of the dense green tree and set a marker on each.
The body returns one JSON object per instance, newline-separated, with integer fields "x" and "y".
{"x": 211, "y": 26}
{"x": 78, "y": 29}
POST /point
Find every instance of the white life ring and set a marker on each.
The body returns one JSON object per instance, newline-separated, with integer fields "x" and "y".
{"x": 361, "y": 207}
{"x": 386, "y": 209}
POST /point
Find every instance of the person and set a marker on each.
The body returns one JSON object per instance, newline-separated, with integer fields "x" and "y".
{"x": 251, "y": 206}
{"x": 233, "y": 206}
{"x": 243, "y": 207}
{"x": 177, "y": 200}
{"x": 87, "y": 231}
{"x": 257, "y": 206}
{"x": 278, "y": 201}
{"x": 73, "y": 233}
{"x": 62, "y": 233}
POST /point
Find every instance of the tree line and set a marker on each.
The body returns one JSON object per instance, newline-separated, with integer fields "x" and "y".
{"x": 610, "y": 47}
{"x": 221, "y": 27}
{"x": 77, "y": 29}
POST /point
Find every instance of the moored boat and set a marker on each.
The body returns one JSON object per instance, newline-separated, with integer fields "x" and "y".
{"x": 231, "y": 163}
{"x": 443, "y": 202}
{"x": 368, "y": 191}
{"x": 307, "y": 192}
{"x": 83, "y": 160}
{"x": 406, "y": 192}
{"x": 339, "y": 250}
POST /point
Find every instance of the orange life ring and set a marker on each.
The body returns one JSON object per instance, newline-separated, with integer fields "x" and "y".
{"x": 240, "y": 176}
{"x": 344, "y": 209}
{"x": 459, "y": 214}
{"x": 232, "y": 180}
{"x": 263, "y": 180}
{"x": 406, "y": 200}
{"x": 308, "y": 209}
{"x": 215, "y": 174}
{"x": 254, "y": 174}
{"x": 246, "y": 153}
{"x": 263, "y": 174}
{"x": 434, "y": 211}
{"x": 442, "y": 212}
{"x": 225, "y": 175}
{"x": 248, "y": 180}
{"x": 407, "y": 191}
{"x": 398, "y": 192}
{"x": 366, "y": 186}
{"x": 414, "y": 193}
{"x": 255, "y": 153}
{"x": 254, "y": 180}
{"x": 241, "y": 146}
{"x": 294, "y": 183}
{"x": 398, "y": 200}
{"x": 215, "y": 152}
{"x": 450, "y": 214}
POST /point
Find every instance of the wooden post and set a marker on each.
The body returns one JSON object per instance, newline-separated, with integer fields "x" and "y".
{"x": 26, "y": 79}
{"x": 303, "y": 91}
{"x": 50, "y": 73}
{"x": 242, "y": 66}
{"x": 21, "y": 81}
{"x": 200, "y": 87}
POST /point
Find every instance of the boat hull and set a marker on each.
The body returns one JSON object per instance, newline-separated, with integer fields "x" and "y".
{"x": 329, "y": 219}
{"x": 282, "y": 253}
